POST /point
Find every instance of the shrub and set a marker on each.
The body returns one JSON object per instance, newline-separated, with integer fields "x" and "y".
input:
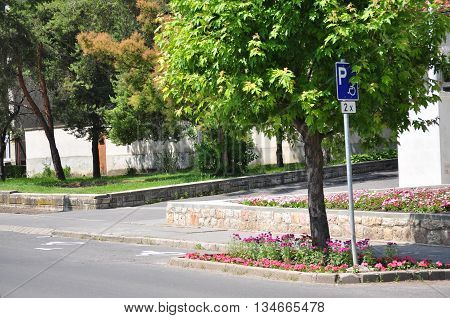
{"x": 167, "y": 161}
{"x": 48, "y": 172}
{"x": 238, "y": 149}
{"x": 15, "y": 171}
{"x": 131, "y": 172}
{"x": 67, "y": 171}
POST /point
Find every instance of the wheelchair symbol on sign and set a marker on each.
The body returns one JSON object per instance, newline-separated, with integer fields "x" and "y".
{"x": 352, "y": 90}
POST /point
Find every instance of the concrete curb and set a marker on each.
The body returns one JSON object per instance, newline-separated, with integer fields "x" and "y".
{"x": 321, "y": 278}
{"x": 26, "y": 230}
{"x": 144, "y": 240}
{"x": 217, "y": 247}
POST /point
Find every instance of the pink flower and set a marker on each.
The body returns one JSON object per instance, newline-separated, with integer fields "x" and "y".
{"x": 423, "y": 263}
{"x": 439, "y": 264}
{"x": 379, "y": 266}
{"x": 364, "y": 264}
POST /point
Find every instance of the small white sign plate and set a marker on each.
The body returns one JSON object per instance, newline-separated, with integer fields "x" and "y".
{"x": 348, "y": 107}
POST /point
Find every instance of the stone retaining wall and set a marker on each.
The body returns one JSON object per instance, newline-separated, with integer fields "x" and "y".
{"x": 62, "y": 202}
{"x": 383, "y": 226}
{"x": 53, "y": 202}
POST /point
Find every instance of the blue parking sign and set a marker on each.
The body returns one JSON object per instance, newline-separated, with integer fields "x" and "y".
{"x": 346, "y": 91}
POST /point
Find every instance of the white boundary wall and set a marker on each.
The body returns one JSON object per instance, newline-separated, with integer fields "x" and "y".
{"x": 76, "y": 153}
{"x": 424, "y": 157}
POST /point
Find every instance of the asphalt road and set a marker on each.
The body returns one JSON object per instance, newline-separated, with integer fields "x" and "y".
{"x": 41, "y": 266}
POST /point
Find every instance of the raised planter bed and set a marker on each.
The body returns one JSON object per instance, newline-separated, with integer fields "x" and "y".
{"x": 323, "y": 278}
{"x": 382, "y": 226}
{"x": 295, "y": 257}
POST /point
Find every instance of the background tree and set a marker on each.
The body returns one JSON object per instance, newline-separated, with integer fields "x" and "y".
{"x": 139, "y": 113}
{"x": 21, "y": 26}
{"x": 252, "y": 61}
{"x": 9, "y": 109}
{"x": 85, "y": 88}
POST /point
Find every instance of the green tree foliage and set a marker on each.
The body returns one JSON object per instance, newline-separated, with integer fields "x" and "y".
{"x": 139, "y": 113}
{"x": 270, "y": 62}
{"x": 8, "y": 108}
{"x": 22, "y": 33}
{"x": 84, "y": 89}
{"x": 224, "y": 153}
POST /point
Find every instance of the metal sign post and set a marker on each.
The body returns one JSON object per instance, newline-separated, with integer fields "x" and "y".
{"x": 348, "y": 94}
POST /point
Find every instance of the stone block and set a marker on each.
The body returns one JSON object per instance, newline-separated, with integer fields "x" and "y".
{"x": 388, "y": 222}
{"x": 437, "y": 274}
{"x": 434, "y": 237}
{"x": 348, "y": 278}
{"x": 244, "y": 216}
{"x": 325, "y": 278}
{"x": 193, "y": 219}
{"x": 420, "y": 275}
{"x": 370, "y": 277}
{"x": 432, "y": 224}
{"x": 371, "y": 221}
{"x": 388, "y": 234}
{"x": 219, "y": 214}
{"x": 396, "y": 276}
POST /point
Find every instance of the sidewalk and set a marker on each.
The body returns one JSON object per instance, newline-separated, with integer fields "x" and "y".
{"x": 146, "y": 224}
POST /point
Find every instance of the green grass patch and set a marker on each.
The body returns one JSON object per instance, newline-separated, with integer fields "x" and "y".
{"x": 85, "y": 185}
{"x": 88, "y": 185}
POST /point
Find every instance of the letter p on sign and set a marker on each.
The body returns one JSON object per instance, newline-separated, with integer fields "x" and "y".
{"x": 342, "y": 73}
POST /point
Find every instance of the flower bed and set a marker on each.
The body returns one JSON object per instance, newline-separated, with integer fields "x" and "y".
{"x": 405, "y": 200}
{"x": 296, "y": 253}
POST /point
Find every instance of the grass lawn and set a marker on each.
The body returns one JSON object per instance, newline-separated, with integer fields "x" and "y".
{"x": 85, "y": 185}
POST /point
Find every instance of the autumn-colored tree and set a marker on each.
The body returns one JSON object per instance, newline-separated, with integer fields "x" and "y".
{"x": 83, "y": 93}
{"x": 139, "y": 111}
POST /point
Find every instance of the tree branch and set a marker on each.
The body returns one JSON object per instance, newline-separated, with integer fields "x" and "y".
{"x": 34, "y": 107}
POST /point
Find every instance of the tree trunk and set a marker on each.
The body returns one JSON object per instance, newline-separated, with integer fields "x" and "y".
{"x": 95, "y": 155}
{"x": 2, "y": 163}
{"x": 280, "y": 162}
{"x": 56, "y": 159}
{"x": 46, "y": 125}
{"x": 316, "y": 202}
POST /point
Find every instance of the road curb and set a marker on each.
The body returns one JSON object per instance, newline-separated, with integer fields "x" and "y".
{"x": 26, "y": 230}
{"x": 320, "y": 278}
{"x": 216, "y": 247}
{"x": 144, "y": 240}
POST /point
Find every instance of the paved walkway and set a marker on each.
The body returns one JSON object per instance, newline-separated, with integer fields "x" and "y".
{"x": 149, "y": 221}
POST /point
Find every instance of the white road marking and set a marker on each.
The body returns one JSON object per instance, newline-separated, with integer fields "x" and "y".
{"x": 150, "y": 253}
{"x": 48, "y": 249}
{"x": 63, "y": 243}
{"x": 44, "y": 236}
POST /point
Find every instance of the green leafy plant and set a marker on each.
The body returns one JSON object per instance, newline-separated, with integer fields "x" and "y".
{"x": 221, "y": 153}
{"x": 167, "y": 160}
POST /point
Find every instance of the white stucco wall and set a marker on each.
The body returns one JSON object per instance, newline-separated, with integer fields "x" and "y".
{"x": 266, "y": 149}
{"x": 424, "y": 157}
{"x": 444, "y": 131}
{"x": 76, "y": 153}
